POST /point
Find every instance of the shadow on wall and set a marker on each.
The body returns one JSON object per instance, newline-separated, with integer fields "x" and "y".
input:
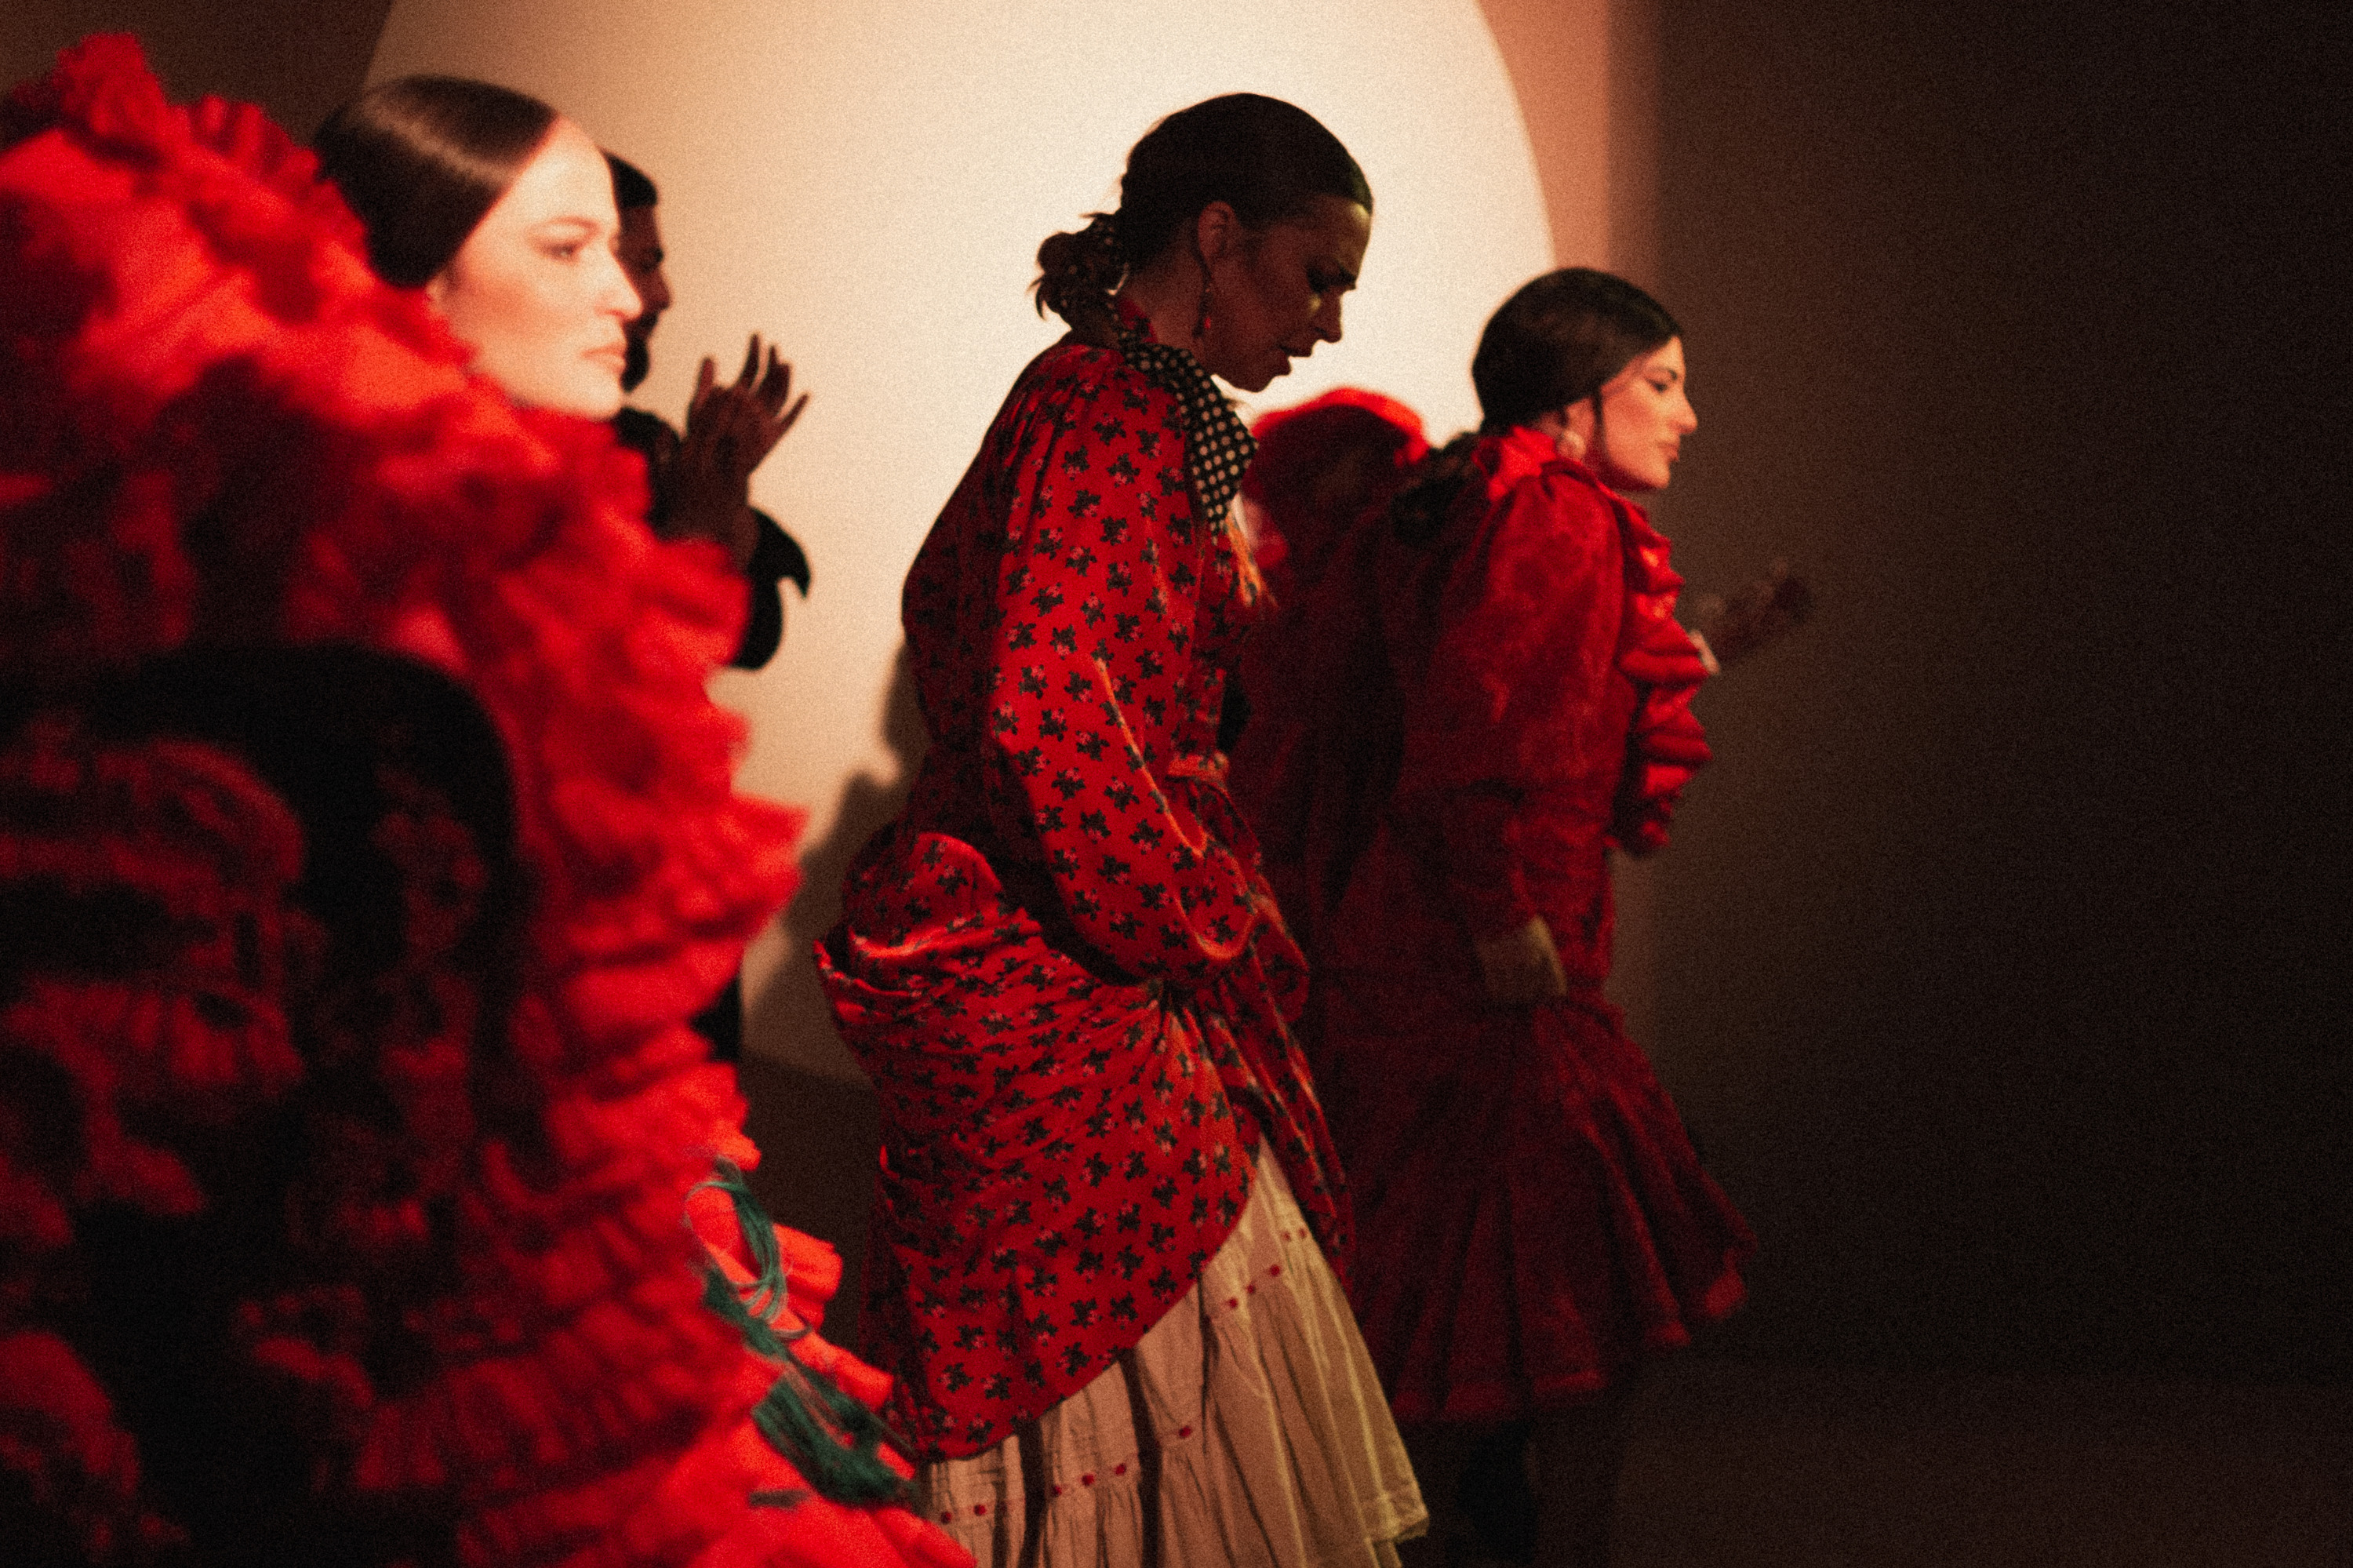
{"x": 812, "y": 1112}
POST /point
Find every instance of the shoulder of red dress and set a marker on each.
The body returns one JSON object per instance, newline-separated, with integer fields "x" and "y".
{"x": 1075, "y": 369}
{"x": 1523, "y": 456}
{"x": 1563, "y": 483}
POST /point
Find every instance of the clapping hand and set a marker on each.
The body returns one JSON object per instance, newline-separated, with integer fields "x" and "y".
{"x": 731, "y": 428}
{"x": 1759, "y": 614}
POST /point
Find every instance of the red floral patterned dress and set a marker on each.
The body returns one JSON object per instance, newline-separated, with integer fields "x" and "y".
{"x": 1061, "y": 966}
{"x": 367, "y": 838}
{"x": 1530, "y": 1214}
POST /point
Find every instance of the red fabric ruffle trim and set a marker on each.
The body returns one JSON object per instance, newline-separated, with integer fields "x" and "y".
{"x": 1667, "y": 746}
{"x": 218, "y": 428}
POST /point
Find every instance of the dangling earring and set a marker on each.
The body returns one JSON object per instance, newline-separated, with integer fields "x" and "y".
{"x": 1201, "y": 316}
{"x": 1556, "y": 423}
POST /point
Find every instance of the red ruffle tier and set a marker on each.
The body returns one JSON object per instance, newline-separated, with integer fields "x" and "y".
{"x": 1538, "y": 1219}
{"x": 217, "y": 429}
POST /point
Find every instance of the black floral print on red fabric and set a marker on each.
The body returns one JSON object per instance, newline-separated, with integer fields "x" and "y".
{"x": 1061, "y": 966}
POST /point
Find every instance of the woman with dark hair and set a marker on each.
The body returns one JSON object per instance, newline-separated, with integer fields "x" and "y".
{"x": 1532, "y": 1218}
{"x": 1108, "y": 1198}
{"x": 501, "y": 211}
{"x": 421, "y": 159}
{"x": 504, "y": 212}
{"x": 367, "y": 1199}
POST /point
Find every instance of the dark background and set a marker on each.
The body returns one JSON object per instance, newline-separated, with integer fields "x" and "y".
{"x": 1997, "y": 956}
{"x": 296, "y": 59}
{"x": 2001, "y": 952}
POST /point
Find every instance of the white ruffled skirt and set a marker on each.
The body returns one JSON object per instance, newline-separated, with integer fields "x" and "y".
{"x": 1247, "y": 1428}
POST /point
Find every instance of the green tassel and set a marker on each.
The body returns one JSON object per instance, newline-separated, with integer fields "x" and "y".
{"x": 827, "y": 1434}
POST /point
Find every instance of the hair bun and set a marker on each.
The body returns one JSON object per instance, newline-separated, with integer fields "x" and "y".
{"x": 1077, "y": 272}
{"x": 1419, "y": 514}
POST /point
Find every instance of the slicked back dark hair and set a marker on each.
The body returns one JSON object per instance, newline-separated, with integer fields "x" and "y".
{"x": 421, "y": 159}
{"x": 1559, "y": 340}
{"x": 1556, "y": 342}
{"x": 632, "y": 185}
{"x": 1267, "y": 159}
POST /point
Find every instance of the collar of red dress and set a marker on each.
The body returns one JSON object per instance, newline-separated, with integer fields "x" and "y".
{"x": 1521, "y": 451}
{"x": 1130, "y": 317}
{"x": 1218, "y": 445}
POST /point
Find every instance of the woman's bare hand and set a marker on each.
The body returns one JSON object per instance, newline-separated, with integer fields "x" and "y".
{"x": 1521, "y": 967}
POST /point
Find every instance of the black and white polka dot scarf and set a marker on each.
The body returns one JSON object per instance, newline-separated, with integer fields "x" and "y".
{"x": 1218, "y": 445}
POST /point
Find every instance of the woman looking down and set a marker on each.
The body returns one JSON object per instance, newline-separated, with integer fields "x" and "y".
{"x": 1108, "y": 1198}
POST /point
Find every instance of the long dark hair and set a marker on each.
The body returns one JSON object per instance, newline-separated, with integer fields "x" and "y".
{"x": 1267, "y": 159}
{"x": 421, "y": 159}
{"x": 1556, "y": 342}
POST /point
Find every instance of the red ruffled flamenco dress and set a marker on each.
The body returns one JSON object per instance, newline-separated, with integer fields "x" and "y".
{"x": 1319, "y": 722}
{"x": 1531, "y": 1216}
{"x": 367, "y": 838}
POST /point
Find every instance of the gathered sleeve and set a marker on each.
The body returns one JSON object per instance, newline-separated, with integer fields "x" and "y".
{"x": 1513, "y": 700}
{"x": 1101, "y": 711}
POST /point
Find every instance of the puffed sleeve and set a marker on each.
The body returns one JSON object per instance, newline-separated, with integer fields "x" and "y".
{"x": 1527, "y": 622}
{"x": 1096, "y": 698}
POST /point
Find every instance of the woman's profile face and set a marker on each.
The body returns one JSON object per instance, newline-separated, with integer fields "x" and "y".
{"x": 536, "y": 291}
{"x": 1645, "y": 415}
{"x": 1275, "y": 292}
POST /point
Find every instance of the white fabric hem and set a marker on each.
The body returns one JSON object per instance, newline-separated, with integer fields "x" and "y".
{"x": 1262, "y": 1417}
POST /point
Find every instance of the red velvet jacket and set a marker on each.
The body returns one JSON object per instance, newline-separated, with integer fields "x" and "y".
{"x": 1546, "y": 690}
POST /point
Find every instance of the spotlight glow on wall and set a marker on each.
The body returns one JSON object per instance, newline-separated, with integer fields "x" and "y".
{"x": 867, "y": 185}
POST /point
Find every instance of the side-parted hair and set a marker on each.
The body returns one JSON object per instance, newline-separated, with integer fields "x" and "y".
{"x": 1556, "y": 342}
{"x": 1559, "y": 340}
{"x": 421, "y": 159}
{"x": 1267, "y": 159}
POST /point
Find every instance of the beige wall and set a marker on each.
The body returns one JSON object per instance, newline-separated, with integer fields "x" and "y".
{"x": 869, "y": 184}
{"x": 1584, "y": 95}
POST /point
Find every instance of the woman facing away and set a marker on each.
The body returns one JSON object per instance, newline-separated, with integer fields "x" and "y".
{"x": 1533, "y": 1221}
{"x": 1315, "y": 712}
{"x": 357, "y": 776}
{"x": 1108, "y": 1198}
